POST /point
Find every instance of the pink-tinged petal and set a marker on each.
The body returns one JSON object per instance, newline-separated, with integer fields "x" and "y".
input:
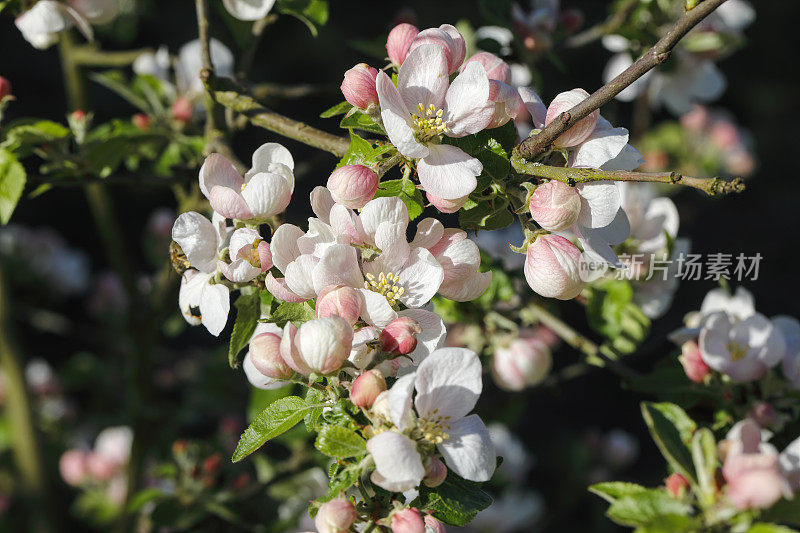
{"x": 467, "y": 109}
{"x": 397, "y": 119}
{"x": 239, "y": 270}
{"x": 281, "y": 291}
{"x": 429, "y": 232}
{"x": 290, "y": 352}
{"x": 284, "y": 245}
{"x": 505, "y": 102}
{"x": 450, "y": 236}
{"x": 389, "y": 209}
{"x": 423, "y": 78}
{"x": 469, "y": 451}
{"x": 267, "y": 195}
{"x": 229, "y": 203}
{"x": 555, "y": 206}
{"x": 346, "y": 225}
{"x": 317, "y": 239}
{"x": 552, "y": 267}
{"x": 432, "y": 335}
{"x": 584, "y": 127}
{"x": 448, "y": 172}
{"x": 496, "y": 68}
{"x": 448, "y": 383}
{"x": 257, "y": 379}
{"x": 338, "y": 266}
{"x": 459, "y": 260}
{"x": 398, "y": 466}
{"x": 467, "y": 289}
{"x": 214, "y": 306}
{"x": 198, "y": 240}
{"x": 421, "y": 277}
{"x": 299, "y": 276}
{"x": 242, "y": 242}
{"x": 459, "y": 48}
{"x": 446, "y": 206}
{"x": 534, "y": 105}
{"x": 264, "y": 256}
{"x": 217, "y": 171}
{"x": 604, "y": 144}
{"x": 600, "y": 202}
{"x": 376, "y": 310}
{"x": 399, "y": 41}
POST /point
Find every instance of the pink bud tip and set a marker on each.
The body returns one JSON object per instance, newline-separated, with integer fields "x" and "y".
{"x": 525, "y": 362}
{"x": 435, "y": 473}
{"x": 73, "y": 466}
{"x": 555, "y": 206}
{"x": 446, "y": 206}
{"x": 79, "y": 114}
{"x": 182, "y": 109}
{"x": 450, "y": 39}
{"x": 5, "y": 87}
{"x": 341, "y": 301}
{"x": 676, "y": 484}
{"x": 399, "y": 42}
{"x": 265, "y": 353}
{"x": 141, "y": 121}
{"x": 692, "y": 361}
{"x": 353, "y": 185}
{"x": 399, "y": 337}
{"x": 552, "y": 267}
{"x": 335, "y": 516}
{"x": 358, "y": 86}
{"x": 580, "y": 131}
{"x": 408, "y": 521}
{"x": 496, "y": 68}
{"x": 366, "y": 388}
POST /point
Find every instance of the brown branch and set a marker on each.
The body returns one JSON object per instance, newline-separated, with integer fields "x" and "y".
{"x": 541, "y": 142}
{"x": 573, "y": 176}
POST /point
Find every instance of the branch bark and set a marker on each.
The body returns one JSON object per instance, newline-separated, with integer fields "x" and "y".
{"x": 573, "y": 176}
{"x": 537, "y": 144}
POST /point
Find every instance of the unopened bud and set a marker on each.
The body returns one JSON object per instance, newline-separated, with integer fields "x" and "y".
{"x": 692, "y": 361}
{"x": 435, "y": 473}
{"x": 581, "y": 131}
{"x": 496, "y": 68}
{"x": 100, "y": 468}
{"x": 447, "y": 206}
{"x": 324, "y": 344}
{"x": 141, "y": 121}
{"x": 78, "y": 114}
{"x": 507, "y": 103}
{"x": 450, "y": 39}
{"x": 525, "y": 362}
{"x": 552, "y": 267}
{"x": 73, "y": 467}
{"x": 676, "y": 484}
{"x": 5, "y": 87}
{"x": 366, "y": 388}
{"x": 339, "y": 300}
{"x": 335, "y": 516}
{"x": 407, "y": 521}
{"x": 182, "y": 109}
{"x": 399, "y": 42}
{"x": 399, "y": 337}
{"x": 555, "y": 206}
{"x": 353, "y": 185}
{"x": 265, "y": 353}
{"x": 358, "y": 86}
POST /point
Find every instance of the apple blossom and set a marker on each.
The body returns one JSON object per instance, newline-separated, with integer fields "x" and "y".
{"x": 552, "y": 267}
{"x": 743, "y": 350}
{"x": 366, "y": 388}
{"x": 73, "y": 467}
{"x": 424, "y": 107}
{"x": 265, "y": 190}
{"x": 692, "y": 361}
{"x": 249, "y": 10}
{"x": 449, "y": 39}
{"x": 399, "y": 42}
{"x": 190, "y": 63}
{"x": 496, "y": 68}
{"x": 507, "y": 103}
{"x": 319, "y": 346}
{"x": 407, "y": 521}
{"x": 399, "y": 337}
{"x": 447, "y": 206}
{"x": 738, "y": 306}
{"x": 114, "y": 445}
{"x": 448, "y": 383}
{"x": 335, "y": 516}
{"x": 358, "y": 87}
{"x": 249, "y": 254}
{"x": 790, "y": 464}
{"x": 524, "y": 362}
{"x": 537, "y": 26}
{"x": 265, "y": 353}
{"x": 353, "y": 185}
{"x": 790, "y": 329}
{"x": 555, "y": 206}
{"x": 581, "y": 131}
{"x": 341, "y": 301}
{"x": 42, "y": 23}
{"x": 203, "y": 302}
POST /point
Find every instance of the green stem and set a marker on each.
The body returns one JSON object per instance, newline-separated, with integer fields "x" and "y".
{"x": 89, "y": 55}
{"x": 211, "y": 132}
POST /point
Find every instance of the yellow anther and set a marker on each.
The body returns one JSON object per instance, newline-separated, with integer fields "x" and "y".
{"x": 428, "y": 122}
{"x": 386, "y": 285}
{"x": 737, "y": 350}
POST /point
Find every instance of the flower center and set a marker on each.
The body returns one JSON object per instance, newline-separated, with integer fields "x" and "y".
{"x": 253, "y": 257}
{"x": 737, "y": 350}
{"x": 385, "y": 285}
{"x": 428, "y": 122}
{"x": 433, "y": 429}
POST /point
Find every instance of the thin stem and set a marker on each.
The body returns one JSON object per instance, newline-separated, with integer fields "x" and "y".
{"x": 572, "y": 176}
{"x": 89, "y": 55}
{"x": 208, "y": 68}
{"x": 537, "y": 144}
{"x": 74, "y": 83}
{"x": 608, "y": 26}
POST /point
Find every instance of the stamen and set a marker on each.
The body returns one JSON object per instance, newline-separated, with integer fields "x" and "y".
{"x": 386, "y": 285}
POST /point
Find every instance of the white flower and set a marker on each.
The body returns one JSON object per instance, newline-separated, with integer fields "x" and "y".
{"x": 204, "y": 302}
{"x": 425, "y": 106}
{"x": 265, "y": 190}
{"x": 738, "y": 306}
{"x": 190, "y": 63}
{"x": 42, "y": 23}
{"x": 201, "y": 239}
{"x": 790, "y": 329}
{"x": 114, "y": 444}
{"x": 250, "y": 256}
{"x": 98, "y": 11}
{"x": 743, "y": 350}
{"x": 248, "y": 9}
{"x": 448, "y": 384}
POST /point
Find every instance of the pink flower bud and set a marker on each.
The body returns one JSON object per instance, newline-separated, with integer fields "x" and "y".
{"x": 100, "y": 467}
{"x": 141, "y": 121}
{"x": 74, "y": 467}
{"x": 450, "y": 39}
{"x": 552, "y": 267}
{"x": 353, "y": 185}
{"x": 341, "y": 301}
{"x": 366, "y": 388}
{"x": 335, "y": 516}
{"x": 525, "y": 362}
{"x": 764, "y": 414}
{"x": 580, "y": 131}
{"x": 507, "y": 103}
{"x": 571, "y": 20}
{"x": 496, "y": 68}
{"x": 399, "y": 42}
{"x": 358, "y": 86}
{"x": 408, "y": 521}
{"x": 78, "y": 114}
{"x": 754, "y": 479}
{"x": 182, "y": 109}
{"x": 434, "y": 525}
{"x": 399, "y": 337}
{"x": 555, "y": 206}
{"x": 692, "y": 361}
{"x": 676, "y": 484}
{"x": 324, "y": 344}
{"x": 435, "y": 473}
{"x": 695, "y": 120}
{"x": 724, "y": 134}
{"x": 5, "y": 87}
{"x": 265, "y": 353}
{"x": 447, "y": 206}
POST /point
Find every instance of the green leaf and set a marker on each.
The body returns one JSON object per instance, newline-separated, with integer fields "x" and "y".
{"x": 361, "y": 152}
{"x": 317, "y": 398}
{"x": 278, "y": 417}
{"x": 117, "y": 82}
{"x": 313, "y": 13}
{"x": 651, "y": 508}
{"x": 488, "y": 215}
{"x": 671, "y": 429}
{"x": 769, "y": 528}
{"x": 339, "y": 442}
{"x": 248, "y": 309}
{"x": 296, "y": 313}
{"x": 456, "y": 501}
{"x": 12, "y": 183}
{"x": 360, "y": 121}
{"x": 612, "y": 312}
{"x": 104, "y": 158}
{"x": 339, "y": 109}
{"x": 668, "y": 382}
{"x": 704, "y": 453}
{"x": 404, "y": 189}
{"x": 614, "y": 490}
{"x": 785, "y": 512}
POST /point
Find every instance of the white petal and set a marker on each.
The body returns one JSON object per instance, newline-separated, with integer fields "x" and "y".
{"x": 299, "y": 276}
{"x": 280, "y": 290}
{"x": 215, "y": 304}
{"x": 346, "y": 225}
{"x": 284, "y": 245}
{"x": 467, "y": 289}
{"x": 448, "y": 172}
{"x": 248, "y": 9}
{"x": 617, "y": 231}
{"x": 534, "y": 105}
{"x": 396, "y": 461}
{"x": 267, "y": 195}
{"x": 466, "y": 109}
{"x": 421, "y": 277}
{"x": 596, "y": 248}
{"x": 197, "y": 237}
{"x": 469, "y": 451}
{"x": 429, "y": 232}
{"x": 448, "y": 381}
{"x": 192, "y": 283}
{"x": 616, "y": 66}
{"x": 600, "y": 202}
{"x": 272, "y": 153}
{"x": 388, "y": 209}
{"x": 317, "y": 239}
{"x": 423, "y": 78}
{"x": 338, "y": 266}
{"x": 322, "y": 203}
{"x": 376, "y": 310}
{"x": 399, "y": 401}
{"x": 432, "y": 336}
{"x": 190, "y": 63}
{"x": 628, "y": 159}
{"x": 218, "y": 171}
{"x": 604, "y": 144}
{"x": 397, "y": 119}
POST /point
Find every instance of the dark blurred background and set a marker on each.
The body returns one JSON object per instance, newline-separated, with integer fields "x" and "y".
{"x": 765, "y": 219}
